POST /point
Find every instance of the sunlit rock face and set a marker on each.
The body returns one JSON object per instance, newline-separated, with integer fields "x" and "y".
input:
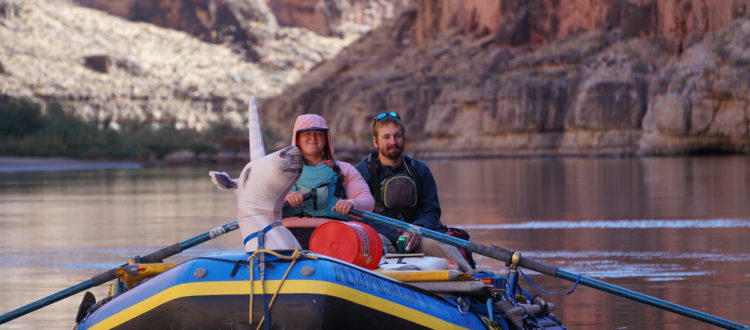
{"x": 507, "y": 78}
{"x": 183, "y": 63}
{"x": 246, "y": 24}
{"x": 540, "y": 21}
{"x": 470, "y": 77}
{"x": 336, "y": 18}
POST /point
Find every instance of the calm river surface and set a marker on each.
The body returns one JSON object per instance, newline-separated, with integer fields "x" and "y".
{"x": 677, "y": 228}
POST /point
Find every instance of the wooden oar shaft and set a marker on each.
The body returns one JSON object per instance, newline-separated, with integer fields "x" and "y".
{"x": 109, "y": 275}
{"x": 504, "y": 254}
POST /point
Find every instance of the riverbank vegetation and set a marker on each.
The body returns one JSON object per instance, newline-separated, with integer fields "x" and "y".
{"x": 27, "y": 130}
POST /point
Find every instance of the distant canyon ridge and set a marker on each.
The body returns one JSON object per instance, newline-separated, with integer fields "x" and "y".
{"x": 479, "y": 78}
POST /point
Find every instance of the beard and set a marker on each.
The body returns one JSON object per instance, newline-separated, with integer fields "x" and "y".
{"x": 394, "y": 152}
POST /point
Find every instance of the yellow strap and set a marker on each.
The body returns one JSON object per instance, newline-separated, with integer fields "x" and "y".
{"x": 295, "y": 255}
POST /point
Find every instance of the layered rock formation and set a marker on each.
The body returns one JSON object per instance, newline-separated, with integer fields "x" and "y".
{"x": 338, "y": 17}
{"x": 245, "y": 24}
{"x": 494, "y": 78}
{"x": 249, "y": 24}
{"x": 107, "y": 69}
{"x": 470, "y": 77}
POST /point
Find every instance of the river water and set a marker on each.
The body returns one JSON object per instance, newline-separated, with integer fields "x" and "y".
{"x": 676, "y": 228}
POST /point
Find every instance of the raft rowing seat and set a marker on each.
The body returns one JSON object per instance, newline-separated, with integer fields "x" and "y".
{"x": 427, "y": 273}
{"x": 430, "y": 274}
{"x": 438, "y": 281}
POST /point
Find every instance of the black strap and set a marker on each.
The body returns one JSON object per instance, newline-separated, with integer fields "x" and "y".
{"x": 372, "y": 165}
{"x": 339, "y": 191}
{"x": 410, "y": 170}
{"x": 235, "y": 269}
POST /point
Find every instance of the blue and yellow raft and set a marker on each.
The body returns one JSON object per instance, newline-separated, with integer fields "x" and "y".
{"x": 292, "y": 290}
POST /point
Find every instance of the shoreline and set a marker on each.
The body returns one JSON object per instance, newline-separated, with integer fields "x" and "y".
{"x": 35, "y": 164}
{"x": 18, "y": 164}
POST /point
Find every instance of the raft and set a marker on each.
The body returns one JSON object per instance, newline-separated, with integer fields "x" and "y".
{"x": 292, "y": 290}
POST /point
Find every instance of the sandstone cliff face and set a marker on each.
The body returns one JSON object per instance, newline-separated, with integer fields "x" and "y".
{"x": 247, "y": 23}
{"x": 470, "y": 77}
{"x": 338, "y": 17}
{"x": 494, "y": 78}
{"x": 702, "y": 99}
{"x": 681, "y": 22}
{"x": 106, "y": 69}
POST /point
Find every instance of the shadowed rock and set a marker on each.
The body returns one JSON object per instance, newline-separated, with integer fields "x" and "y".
{"x": 547, "y": 82}
{"x": 98, "y": 63}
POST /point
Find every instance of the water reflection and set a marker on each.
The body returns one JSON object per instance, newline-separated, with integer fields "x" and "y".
{"x": 598, "y": 188}
{"x": 674, "y": 228}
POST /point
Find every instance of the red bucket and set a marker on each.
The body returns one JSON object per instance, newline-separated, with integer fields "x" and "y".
{"x": 353, "y": 242}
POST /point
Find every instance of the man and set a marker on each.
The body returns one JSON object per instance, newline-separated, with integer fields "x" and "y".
{"x": 404, "y": 189}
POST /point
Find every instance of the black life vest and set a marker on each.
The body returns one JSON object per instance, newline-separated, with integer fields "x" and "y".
{"x": 397, "y": 194}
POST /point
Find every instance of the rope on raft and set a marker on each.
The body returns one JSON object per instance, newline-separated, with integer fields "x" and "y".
{"x": 578, "y": 279}
{"x": 293, "y": 257}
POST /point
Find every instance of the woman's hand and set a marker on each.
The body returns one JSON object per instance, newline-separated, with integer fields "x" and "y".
{"x": 343, "y": 206}
{"x": 294, "y": 198}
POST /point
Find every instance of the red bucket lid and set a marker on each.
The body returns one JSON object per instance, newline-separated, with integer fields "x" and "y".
{"x": 353, "y": 242}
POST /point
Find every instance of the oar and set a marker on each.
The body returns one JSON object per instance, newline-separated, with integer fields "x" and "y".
{"x": 503, "y": 254}
{"x": 109, "y": 275}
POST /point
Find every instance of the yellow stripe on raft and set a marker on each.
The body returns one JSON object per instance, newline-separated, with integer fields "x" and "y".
{"x": 424, "y": 276}
{"x": 289, "y": 287}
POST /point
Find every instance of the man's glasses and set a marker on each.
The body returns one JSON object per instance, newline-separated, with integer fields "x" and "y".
{"x": 383, "y": 115}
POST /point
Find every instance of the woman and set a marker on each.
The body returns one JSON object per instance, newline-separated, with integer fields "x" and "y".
{"x": 338, "y": 187}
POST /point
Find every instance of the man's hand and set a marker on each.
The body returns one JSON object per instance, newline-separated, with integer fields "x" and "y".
{"x": 412, "y": 241}
{"x": 343, "y": 206}
{"x": 294, "y": 198}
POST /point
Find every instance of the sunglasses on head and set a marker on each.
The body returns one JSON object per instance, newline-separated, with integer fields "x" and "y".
{"x": 383, "y": 115}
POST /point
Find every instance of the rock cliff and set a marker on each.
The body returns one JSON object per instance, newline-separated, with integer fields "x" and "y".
{"x": 337, "y": 17}
{"x": 543, "y": 77}
{"x": 107, "y": 69}
{"x": 471, "y": 78}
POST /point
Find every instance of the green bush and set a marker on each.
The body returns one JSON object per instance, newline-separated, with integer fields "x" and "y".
{"x": 25, "y": 131}
{"x": 19, "y": 118}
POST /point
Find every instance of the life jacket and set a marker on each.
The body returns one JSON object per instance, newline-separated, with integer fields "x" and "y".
{"x": 397, "y": 194}
{"x": 328, "y": 190}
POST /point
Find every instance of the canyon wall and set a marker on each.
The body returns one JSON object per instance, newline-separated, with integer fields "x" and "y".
{"x": 471, "y": 78}
{"x": 506, "y": 78}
